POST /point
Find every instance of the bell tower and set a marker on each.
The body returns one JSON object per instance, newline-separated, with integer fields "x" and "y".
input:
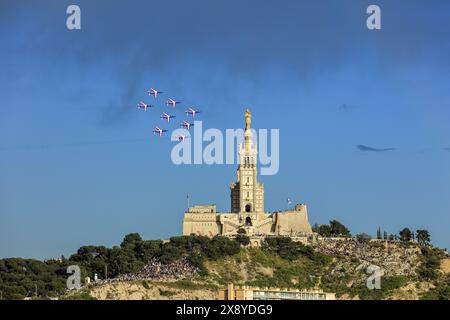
{"x": 247, "y": 194}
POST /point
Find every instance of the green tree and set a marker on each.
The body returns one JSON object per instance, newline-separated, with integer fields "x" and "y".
{"x": 378, "y": 233}
{"x": 171, "y": 252}
{"x": 423, "y": 236}
{"x": 243, "y": 239}
{"x": 405, "y": 235}
{"x": 338, "y": 229}
{"x": 221, "y": 247}
{"x": 20, "y": 278}
{"x": 324, "y": 230}
{"x": 130, "y": 241}
{"x": 147, "y": 249}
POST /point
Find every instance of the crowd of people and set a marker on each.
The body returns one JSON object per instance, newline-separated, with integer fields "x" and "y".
{"x": 393, "y": 258}
{"x": 155, "y": 270}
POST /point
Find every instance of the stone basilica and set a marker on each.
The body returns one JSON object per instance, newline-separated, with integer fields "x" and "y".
{"x": 247, "y": 205}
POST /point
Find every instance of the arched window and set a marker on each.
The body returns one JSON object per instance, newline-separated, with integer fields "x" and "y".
{"x": 248, "y": 208}
{"x": 248, "y": 221}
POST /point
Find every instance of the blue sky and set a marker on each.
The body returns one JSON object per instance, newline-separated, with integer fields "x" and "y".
{"x": 78, "y": 162}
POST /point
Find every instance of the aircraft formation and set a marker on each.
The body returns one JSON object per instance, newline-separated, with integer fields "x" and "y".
{"x": 166, "y": 115}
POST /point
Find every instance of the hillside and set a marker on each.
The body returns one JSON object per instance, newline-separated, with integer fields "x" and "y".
{"x": 410, "y": 272}
{"x": 194, "y": 267}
